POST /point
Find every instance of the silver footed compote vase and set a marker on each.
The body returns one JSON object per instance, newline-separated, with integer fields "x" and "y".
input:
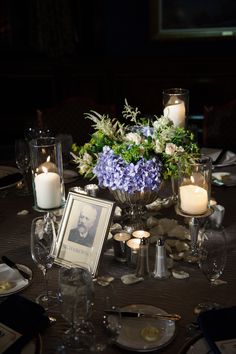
{"x": 194, "y": 190}
{"x": 133, "y": 206}
{"x": 49, "y": 196}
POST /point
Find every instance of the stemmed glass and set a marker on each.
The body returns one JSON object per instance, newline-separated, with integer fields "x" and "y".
{"x": 212, "y": 252}
{"x": 22, "y": 157}
{"x": 83, "y": 305}
{"x": 43, "y": 240}
{"x": 76, "y": 295}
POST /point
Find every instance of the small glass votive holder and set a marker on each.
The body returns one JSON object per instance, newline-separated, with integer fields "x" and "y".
{"x": 47, "y": 173}
{"x": 194, "y": 186}
{"x": 91, "y": 189}
{"x": 133, "y": 245}
{"x": 140, "y": 234}
{"x": 176, "y": 105}
{"x": 120, "y": 246}
{"x": 78, "y": 190}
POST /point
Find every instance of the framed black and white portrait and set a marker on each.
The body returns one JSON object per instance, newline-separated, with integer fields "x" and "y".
{"x": 83, "y": 230}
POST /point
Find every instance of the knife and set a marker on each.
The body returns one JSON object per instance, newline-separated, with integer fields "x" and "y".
{"x": 168, "y": 316}
{"x": 14, "y": 266}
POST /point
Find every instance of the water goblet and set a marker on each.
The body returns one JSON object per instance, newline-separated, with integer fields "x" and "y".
{"x": 22, "y": 158}
{"x": 43, "y": 241}
{"x": 76, "y": 297}
{"x": 212, "y": 252}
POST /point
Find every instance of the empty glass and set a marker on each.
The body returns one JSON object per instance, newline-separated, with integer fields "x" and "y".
{"x": 22, "y": 158}
{"x": 76, "y": 296}
{"x": 43, "y": 239}
{"x": 212, "y": 252}
{"x": 83, "y": 305}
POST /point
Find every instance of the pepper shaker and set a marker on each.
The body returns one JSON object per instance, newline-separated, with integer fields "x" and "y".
{"x": 142, "y": 269}
{"x": 160, "y": 271}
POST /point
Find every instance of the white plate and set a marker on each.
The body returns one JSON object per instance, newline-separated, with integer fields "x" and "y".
{"x": 11, "y": 279}
{"x": 7, "y": 171}
{"x": 132, "y": 335}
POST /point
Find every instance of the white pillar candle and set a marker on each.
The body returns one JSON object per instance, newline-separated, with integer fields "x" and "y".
{"x": 48, "y": 190}
{"x": 176, "y": 113}
{"x": 193, "y": 199}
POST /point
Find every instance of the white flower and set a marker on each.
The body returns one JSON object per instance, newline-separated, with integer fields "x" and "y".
{"x": 180, "y": 149}
{"x": 170, "y": 149}
{"x": 134, "y": 137}
{"x": 162, "y": 123}
{"x": 87, "y": 158}
{"x": 158, "y": 147}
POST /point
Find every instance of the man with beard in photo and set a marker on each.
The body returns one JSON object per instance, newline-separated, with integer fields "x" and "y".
{"x": 85, "y": 231}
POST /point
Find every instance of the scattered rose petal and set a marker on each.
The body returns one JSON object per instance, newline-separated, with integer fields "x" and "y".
{"x": 23, "y": 212}
{"x": 130, "y": 279}
{"x": 180, "y": 274}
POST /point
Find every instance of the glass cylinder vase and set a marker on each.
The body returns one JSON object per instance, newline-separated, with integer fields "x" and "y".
{"x": 47, "y": 173}
{"x": 194, "y": 186}
{"x": 175, "y": 105}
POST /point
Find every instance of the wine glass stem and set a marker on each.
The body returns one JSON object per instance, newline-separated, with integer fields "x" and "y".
{"x": 45, "y": 274}
{"x": 194, "y": 229}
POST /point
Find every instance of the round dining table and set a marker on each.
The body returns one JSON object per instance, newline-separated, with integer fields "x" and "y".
{"x": 180, "y": 296}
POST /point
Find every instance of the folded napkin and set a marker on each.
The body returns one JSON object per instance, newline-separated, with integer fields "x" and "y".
{"x": 20, "y": 321}
{"x": 220, "y": 158}
{"x": 218, "y": 327}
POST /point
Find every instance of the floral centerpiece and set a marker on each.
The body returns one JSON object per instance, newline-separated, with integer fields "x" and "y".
{"x": 136, "y": 156}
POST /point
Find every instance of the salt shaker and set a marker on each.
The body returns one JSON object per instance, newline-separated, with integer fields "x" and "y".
{"x": 142, "y": 269}
{"x": 160, "y": 271}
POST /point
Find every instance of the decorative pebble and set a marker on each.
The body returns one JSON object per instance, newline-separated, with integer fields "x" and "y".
{"x": 180, "y": 274}
{"x": 105, "y": 280}
{"x": 23, "y": 212}
{"x": 130, "y": 279}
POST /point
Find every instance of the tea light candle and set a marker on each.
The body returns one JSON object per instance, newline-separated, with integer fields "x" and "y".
{"x": 193, "y": 199}
{"x": 120, "y": 248}
{"x": 134, "y": 244}
{"x": 48, "y": 189}
{"x": 91, "y": 189}
{"x": 140, "y": 234}
{"x": 176, "y": 113}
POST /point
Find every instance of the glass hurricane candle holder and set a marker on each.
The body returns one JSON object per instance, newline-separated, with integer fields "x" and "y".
{"x": 47, "y": 173}
{"x": 175, "y": 105}
{"x": 194, "y": 191}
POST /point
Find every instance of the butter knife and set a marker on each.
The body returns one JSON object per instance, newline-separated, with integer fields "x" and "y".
{"x": 168, "y": 316}
{"x": 13, "y": 265}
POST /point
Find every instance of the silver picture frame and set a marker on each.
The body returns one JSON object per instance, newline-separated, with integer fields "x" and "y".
{"x": 83, "y": 230}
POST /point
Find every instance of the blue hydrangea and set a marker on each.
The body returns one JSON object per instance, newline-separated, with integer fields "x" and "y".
{"x": 113, "y": 172}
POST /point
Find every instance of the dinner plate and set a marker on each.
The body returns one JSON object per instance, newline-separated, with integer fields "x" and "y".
{"x": 144, "y": 334}
{"x": 196, "y": 345}
{"x": 9, "y": 177}
{"x": 11, "y": 281}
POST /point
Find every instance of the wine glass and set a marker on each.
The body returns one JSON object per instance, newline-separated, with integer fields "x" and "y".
{"x": 43, "y": 241}
{"x": 212, "y": 252}
{"x": 22, "y": 157}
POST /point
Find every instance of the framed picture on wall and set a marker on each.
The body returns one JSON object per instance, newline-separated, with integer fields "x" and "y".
{"x": 84, "y": 228}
